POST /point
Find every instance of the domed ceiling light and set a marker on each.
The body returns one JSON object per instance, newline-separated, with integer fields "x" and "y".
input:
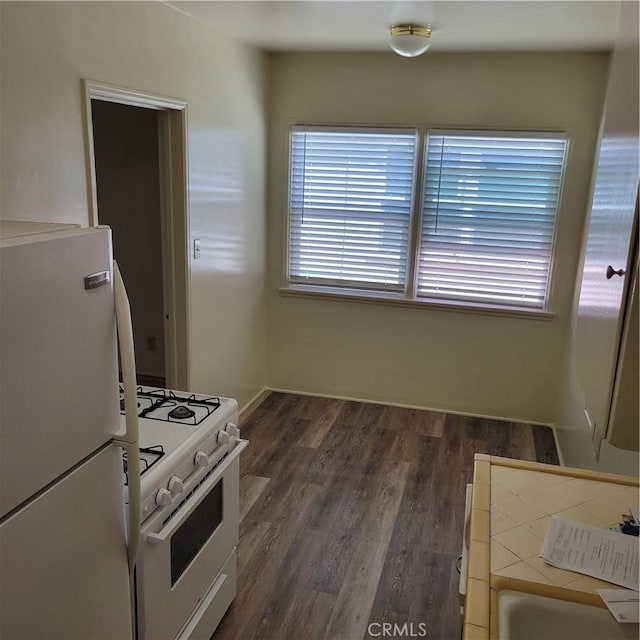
{"x": 409, "y": 40}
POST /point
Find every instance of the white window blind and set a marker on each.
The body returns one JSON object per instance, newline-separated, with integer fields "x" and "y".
{"x": 489, "y": 211}
{"x": 350, "y": 204}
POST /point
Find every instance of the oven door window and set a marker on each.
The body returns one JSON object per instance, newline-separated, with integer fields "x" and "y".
{"x": 195, "y": 531}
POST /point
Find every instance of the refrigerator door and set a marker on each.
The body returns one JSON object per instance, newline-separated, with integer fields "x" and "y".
{"x": 63, "y": 561}
{"x": 58, "y": 357}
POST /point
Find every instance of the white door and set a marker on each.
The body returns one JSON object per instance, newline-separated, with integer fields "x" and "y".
{"x": 609, "y": 242}
{"x": 58, "y": 361}
{"x": 63, "y": 560}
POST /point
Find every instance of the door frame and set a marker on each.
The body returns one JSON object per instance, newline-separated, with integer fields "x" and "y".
{"x": 174, "y": 212}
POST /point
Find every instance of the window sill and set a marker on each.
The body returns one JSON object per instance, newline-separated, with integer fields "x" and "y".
{"x": 394, "y": 299}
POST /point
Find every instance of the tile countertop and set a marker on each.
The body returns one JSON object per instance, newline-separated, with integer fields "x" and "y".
{"x": 511, "y": 504}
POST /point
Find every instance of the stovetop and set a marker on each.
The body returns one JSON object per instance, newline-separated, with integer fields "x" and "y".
{"x": 165, "y": 436}
{"x": 168, "y": 418}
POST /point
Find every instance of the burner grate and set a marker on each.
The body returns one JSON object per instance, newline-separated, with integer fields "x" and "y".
{"x": 155, "y": 453}
{"x": 171, "y": 406}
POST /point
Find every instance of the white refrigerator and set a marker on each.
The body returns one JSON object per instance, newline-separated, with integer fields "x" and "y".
{"x": 66, "y": 547}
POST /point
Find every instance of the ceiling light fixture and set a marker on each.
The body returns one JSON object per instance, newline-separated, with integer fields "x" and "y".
{"x": 410, "y": 40}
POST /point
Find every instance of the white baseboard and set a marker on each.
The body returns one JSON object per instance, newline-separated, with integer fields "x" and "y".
{"x": 253, "y": 404}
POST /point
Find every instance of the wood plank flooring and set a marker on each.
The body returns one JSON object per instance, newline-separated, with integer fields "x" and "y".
{"x": 352, "y": 514}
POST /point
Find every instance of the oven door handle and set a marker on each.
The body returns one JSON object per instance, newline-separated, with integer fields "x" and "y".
{"x": 185, "y": 510}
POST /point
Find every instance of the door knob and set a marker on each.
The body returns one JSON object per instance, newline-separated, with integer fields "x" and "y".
{"x": 612, "y": 272}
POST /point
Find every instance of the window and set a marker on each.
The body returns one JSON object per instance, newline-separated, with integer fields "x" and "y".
{"x": 486, "y": 215}
{"x": 350, "y": 204}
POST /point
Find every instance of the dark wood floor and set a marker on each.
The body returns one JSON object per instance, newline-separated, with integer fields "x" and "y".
{"x": 352, "y": 513}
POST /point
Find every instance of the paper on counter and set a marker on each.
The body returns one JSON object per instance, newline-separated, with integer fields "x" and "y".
{"x": 622, "y": 603}
{"x": 600, "y": 553}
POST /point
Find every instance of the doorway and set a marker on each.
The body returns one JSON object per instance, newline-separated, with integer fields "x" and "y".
{"x": 127, "y": 165}
{"x": 137, "y": 173}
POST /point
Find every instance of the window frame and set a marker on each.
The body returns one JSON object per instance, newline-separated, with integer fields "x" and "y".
{"x": 408, "y": 297}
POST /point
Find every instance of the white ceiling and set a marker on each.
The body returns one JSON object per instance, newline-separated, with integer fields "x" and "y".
{"x": 354, "y": 25}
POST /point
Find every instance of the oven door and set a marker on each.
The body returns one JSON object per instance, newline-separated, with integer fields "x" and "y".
{"x": 181, "y": 556}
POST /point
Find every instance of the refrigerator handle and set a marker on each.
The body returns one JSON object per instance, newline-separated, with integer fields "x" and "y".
{"x": 127, "y": 359}
{"x": 128, "y": 439}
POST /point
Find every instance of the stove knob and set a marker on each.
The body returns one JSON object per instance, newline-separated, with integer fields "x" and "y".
{"x": 233, "y": 431}
{"x": 202, "y": 459}
{"x": 163, "y": 498}
{"x": 223, "y": 438}
{"x": 176, "y": 485}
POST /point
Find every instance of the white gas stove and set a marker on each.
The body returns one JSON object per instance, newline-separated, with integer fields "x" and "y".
{"x": 180, "y": 433}
{"x": 189, "y": 461}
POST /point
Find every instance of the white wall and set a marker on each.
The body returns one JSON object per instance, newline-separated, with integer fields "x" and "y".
{"x": 47, "y": 48}
{"x": 485, "y": 365}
